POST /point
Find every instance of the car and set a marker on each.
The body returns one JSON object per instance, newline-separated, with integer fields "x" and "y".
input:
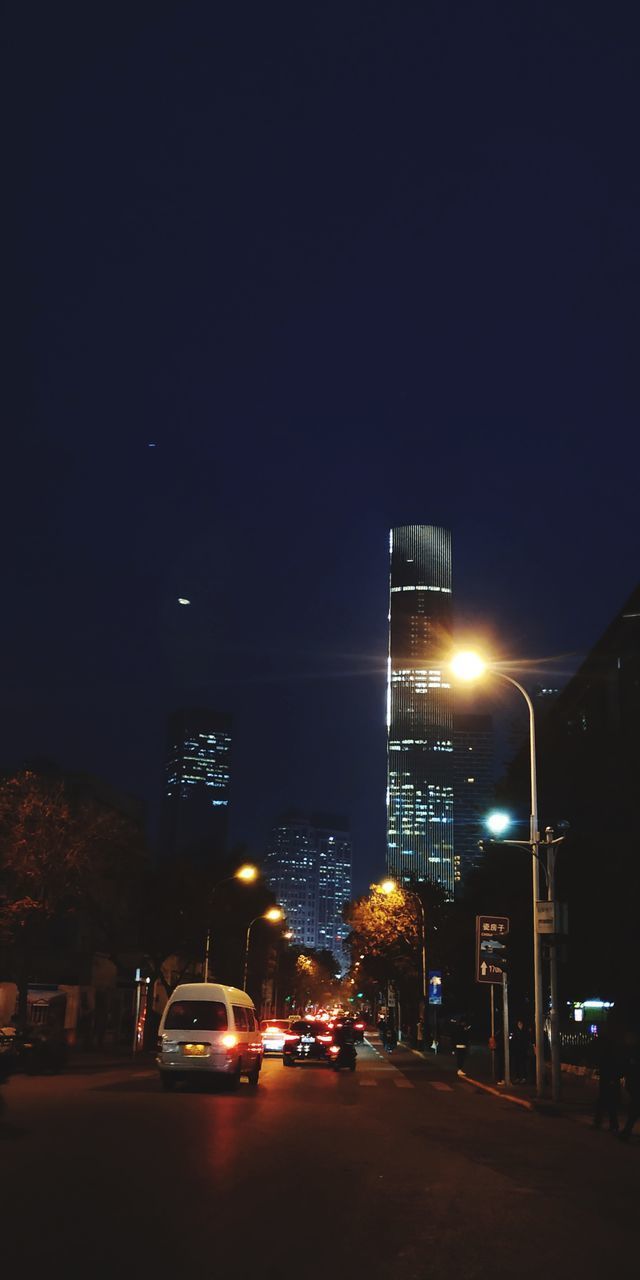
{"x": 273, "y": 1032}
{"x": 209, "y": 1028}
{"x": 308, "y": 1039}
{"x": 358, "y": 1026}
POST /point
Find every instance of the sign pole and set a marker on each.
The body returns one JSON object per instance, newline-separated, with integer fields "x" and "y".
{"x": 492, "y": 1040}
{"x": 505, "y": 1028}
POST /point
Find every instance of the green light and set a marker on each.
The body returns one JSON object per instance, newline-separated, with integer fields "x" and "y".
{"x": 360, "y": 994}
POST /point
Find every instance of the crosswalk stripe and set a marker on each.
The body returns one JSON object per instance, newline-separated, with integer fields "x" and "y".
{"x": 368, "y": 1082}
{"x": 439, "y": 1084}
{"x": 401, "y": 1083}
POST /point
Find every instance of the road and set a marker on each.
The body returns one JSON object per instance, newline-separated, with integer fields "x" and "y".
{"x": 395, "y": 1171}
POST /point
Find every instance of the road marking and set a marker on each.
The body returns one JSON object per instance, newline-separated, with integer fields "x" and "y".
{"x": 370, "y": 1083}
{"x": 439, "y": 1084}
{"x": 401, "y": 1083}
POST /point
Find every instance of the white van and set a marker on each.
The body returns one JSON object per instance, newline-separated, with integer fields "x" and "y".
{"x": 209, "y": 1027}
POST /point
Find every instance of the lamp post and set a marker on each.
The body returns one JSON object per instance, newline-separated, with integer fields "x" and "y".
{"x": 247, "y": 874}
{"x": 273, "y": 914}
{"x": 390, "y": 886}
{"x": 469, "y": 666}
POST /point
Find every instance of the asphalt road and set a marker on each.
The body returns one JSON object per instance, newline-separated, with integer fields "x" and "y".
{"x": 398, "y": 1171}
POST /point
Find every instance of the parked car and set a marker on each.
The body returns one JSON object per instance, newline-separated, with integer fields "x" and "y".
{"x": 209, "y": 1028}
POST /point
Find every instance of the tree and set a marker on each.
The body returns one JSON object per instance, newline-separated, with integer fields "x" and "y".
{"x": 58, "y": 846}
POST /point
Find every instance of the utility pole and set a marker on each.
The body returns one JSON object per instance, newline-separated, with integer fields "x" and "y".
{"x": 556, "y": 1074}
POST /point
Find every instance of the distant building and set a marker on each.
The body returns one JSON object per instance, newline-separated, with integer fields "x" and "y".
{"x": 308, "y": 867}
{"x": 472, "y": 788}
{"x": 196, "y": 801}
{"x": 420, "y": 708}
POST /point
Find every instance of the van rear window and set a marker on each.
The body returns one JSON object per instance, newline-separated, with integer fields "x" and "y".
{"x": 196, "y": 1015}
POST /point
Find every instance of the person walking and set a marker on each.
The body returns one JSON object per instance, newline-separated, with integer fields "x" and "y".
{"x": 520, "y": 1046}
{"x": 609, "y": 1075}
{"x": 461, "y": 1045}
{"x": 632, "y": 1083}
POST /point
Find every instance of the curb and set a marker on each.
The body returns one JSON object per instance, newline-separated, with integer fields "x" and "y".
{"x": 498, "y": 1093}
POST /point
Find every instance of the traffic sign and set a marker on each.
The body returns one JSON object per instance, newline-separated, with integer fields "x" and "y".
{"x": 435, "y": 986}
{"x": 491, "y": 951}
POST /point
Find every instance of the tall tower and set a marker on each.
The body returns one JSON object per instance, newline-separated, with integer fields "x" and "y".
{"x": 420, "y": 708}
{"x": 196, "y": 801}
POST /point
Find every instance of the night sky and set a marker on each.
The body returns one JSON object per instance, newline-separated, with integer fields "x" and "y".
{"x": 344, "y": 266}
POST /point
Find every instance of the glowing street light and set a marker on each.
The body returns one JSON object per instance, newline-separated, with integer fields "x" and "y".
{"x": 470, "y": 666}
{"x": 247, "y": 873}
{"x": 388, "y": 887}
{"x": 497, "y": 822}
{"x": 272, "y": 915}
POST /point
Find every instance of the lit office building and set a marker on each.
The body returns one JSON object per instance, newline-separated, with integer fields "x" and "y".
{"x": 196, "y": 802}
{"x": 333, "y": 843}
{"x": 308, "y": 867}
{"x": 472, "y": 787}
{"x": 420, "y": 708}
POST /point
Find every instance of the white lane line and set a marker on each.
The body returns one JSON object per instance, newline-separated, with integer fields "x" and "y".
{"x": 439, "y": 1084}
{"x": 403, "y": 1084}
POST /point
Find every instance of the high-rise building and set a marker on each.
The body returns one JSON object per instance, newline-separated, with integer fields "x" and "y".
{"x": 420, "y": 708}
{"x": 196, "y": 801}
{"x": 333, "y": 843}
{"x": 308, "y": 866}
{"x": 472, "y": 787}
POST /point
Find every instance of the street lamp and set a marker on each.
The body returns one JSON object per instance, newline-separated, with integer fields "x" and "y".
{"x": 272, "y": 915}
{"x": 470, "y": 666}
{"x": 247, "y": 873}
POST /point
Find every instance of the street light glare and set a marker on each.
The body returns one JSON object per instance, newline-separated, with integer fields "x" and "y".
{"x": 468, "y": 665}
{"x": 274, "y": 913}
{"x": 388, "y": 886}
{"x": 498, "y": 822}
{"x": 247, "y": 873}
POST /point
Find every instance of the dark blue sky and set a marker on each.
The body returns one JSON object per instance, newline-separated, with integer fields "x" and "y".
{"x": 347, "y": 266}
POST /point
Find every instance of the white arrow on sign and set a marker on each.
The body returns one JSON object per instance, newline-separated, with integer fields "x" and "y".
{"x": 483, "y": 968}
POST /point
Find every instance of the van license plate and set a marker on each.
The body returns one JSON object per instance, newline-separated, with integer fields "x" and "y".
{"x": 195, "y": 1050}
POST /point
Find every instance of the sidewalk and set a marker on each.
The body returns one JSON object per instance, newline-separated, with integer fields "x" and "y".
{"x": 578, "y": 1092}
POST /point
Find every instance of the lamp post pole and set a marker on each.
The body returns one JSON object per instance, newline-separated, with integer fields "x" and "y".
{"x": 246, "y": 954}
{"x": 534, "y": 841}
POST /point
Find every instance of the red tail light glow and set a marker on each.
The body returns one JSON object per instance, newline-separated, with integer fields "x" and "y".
{"x": 290, "y": 1037}
{"x": 324, "y": 1039}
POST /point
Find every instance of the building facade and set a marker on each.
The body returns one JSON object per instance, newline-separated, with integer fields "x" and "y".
{"x": 420, "y": 776}
{"x": 308, "y": 867}
{"x": 472, "y": 787}
{"x": 196, "y": 799}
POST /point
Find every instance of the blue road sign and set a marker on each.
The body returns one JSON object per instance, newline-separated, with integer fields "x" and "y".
{"x": 435, "y": 986}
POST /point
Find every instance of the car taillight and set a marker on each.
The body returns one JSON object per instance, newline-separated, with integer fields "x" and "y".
{"x": 229, "y": 1041}
{"x": 324, "y": 1039}
{"x": 334, "y": 1048}
{"x": 359, "y": 1026}
{"x": 290, "y": 1037}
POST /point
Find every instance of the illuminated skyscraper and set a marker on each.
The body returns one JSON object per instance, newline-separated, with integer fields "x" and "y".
{"x": 308, "y": 866}
{"x": 196, "y": 802}
{"x": 420, "y": 708}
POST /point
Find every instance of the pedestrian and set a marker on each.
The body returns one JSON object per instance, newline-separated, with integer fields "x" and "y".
{"x": 632, "y": 1084}
{"x": 383, "y": 1028}
{"x": 520, "y": 1048}
{"x": 609, "y": 1075}
{"x": 461, "y": 1045}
